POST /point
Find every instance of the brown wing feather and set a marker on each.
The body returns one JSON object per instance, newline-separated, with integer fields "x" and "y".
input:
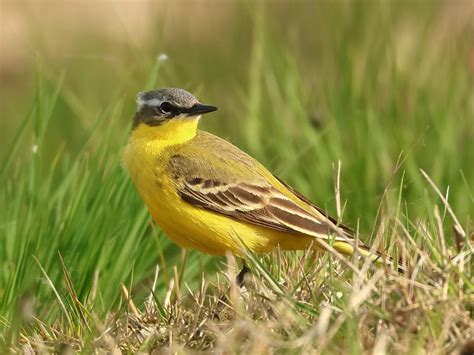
{"x": 259, "y": 205}
{"x": 347, "y": 231}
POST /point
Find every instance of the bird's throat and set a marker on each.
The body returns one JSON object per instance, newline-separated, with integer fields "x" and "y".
{"x": 176, "y": 131}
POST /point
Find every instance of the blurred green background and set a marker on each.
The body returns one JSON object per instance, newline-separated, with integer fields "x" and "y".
{"x": 299, "y": 85}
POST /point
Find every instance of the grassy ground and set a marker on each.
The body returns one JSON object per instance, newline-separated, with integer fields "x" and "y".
{"x": 385, "y": 91}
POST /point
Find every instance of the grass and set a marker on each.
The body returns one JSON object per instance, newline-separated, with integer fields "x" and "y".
{"x": 82, "y": 266}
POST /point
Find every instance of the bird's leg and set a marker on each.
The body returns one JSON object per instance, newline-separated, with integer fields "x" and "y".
{"x": 239, "y": 280}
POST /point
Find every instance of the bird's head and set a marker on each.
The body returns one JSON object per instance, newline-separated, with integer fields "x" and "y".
{"x": 158, "y": 107}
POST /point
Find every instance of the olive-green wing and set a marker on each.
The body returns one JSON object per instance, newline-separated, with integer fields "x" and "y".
{"x": 237, "y": 190}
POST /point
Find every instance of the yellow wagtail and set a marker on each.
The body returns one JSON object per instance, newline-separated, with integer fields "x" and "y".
{"x": 207, "y": 194}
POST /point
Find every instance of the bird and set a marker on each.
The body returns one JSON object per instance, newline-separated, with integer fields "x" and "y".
{"x": 207, "y": 194}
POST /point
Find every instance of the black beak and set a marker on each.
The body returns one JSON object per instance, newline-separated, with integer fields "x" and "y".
{"x": 199, "y": 109}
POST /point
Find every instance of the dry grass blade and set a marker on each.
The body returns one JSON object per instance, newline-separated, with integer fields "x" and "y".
{"x": 130, "y": 302}
{"x": 457, "y": 225}
{"x": 337, "y": 188}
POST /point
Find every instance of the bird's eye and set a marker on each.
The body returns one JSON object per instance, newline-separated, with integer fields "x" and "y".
{"x": 166, "y": 107}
